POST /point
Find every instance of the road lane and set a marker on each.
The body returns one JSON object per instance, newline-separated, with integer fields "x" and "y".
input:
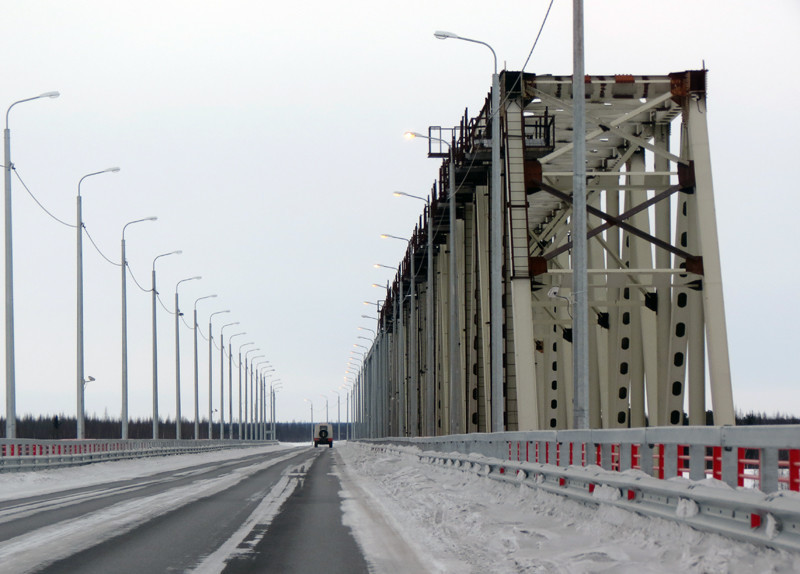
{"x": 178, "y": 540}
{"x": 18, "y": 517}
{"x": 308, "y": 535}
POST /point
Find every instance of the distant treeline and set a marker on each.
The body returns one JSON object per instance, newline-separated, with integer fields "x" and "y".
{"x": 63, "y": 427}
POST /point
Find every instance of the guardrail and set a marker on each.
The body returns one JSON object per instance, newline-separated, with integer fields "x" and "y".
{"x": 32, "y": 454}
{"x": 746, "y": 514}
{"x": 763, "y": 457}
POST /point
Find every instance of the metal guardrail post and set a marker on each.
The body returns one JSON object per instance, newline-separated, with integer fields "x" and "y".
{"x": 697, "y": 462}
{"x": 769, "y": 470}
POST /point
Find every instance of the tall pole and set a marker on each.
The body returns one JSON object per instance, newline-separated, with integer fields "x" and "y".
{"x": 154, "y": 297}
{"x": 210, "y": 374}
{"x": 495, "y": 247}
{"x": 496, "y": 263}
{"x": 241, "y": 397}
{"x": 177, "y": 369}
{"x": 79, "y": 322}
{"x": 11, "y": 390}
{"x": 196, "y": 371}
{"x": 580, "y": 336}
{"x": 222, "y": 380}
{"x": 124, "y": 267}
{"x": 196, "y": 378}
{"x": 230, "y": 381}
{"x": 178, "y": 359}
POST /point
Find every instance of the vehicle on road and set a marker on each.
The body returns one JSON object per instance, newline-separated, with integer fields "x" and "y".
{"x": 323, "y": 434}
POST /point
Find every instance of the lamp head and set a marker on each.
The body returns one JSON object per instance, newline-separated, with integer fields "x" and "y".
{"x": 49, "y": 95}
{"x": 111, "y": 169}
{"x": 442, "y": 35}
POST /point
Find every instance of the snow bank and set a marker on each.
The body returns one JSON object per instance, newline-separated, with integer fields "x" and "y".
{"x": 470, "y": 523}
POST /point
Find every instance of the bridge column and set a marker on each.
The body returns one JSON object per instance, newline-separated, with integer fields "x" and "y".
{"x": 695, "y": 114}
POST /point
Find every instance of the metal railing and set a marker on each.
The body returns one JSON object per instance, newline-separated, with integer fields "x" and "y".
{"x": 590, "y": 467}
{"x": 763, "y": 457}
{"x": 32, "y": 454}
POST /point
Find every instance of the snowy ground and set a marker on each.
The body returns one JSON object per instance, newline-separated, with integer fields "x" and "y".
{"x": 459, "y": 522}
{"x": 414, "y": 517}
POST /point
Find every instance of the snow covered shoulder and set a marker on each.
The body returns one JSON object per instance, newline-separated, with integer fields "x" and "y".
{"x": 461, "y": 521}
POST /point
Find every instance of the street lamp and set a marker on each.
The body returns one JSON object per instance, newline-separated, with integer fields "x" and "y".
{"x": 454, "y": 341}
{"x": 312, "y": 417}
{"x": 210, "y": 372}
{"x": 379, "y": 265}
{"x": 230, "y": 381}
{"x": 222, "y": 382}
{"x": 242, "y": 346}
{"x": 11, "y": 396}
{"x": 273, "y": 388}
{"x": 196, "y": 372}
{"x": 495, "y": 244}
{"x": 365, "y": 329}
{"x": 257, "y": 389}
{"x": 154, "y": 294}
{"x": 124, "y": 266}
{"x": 178, "y": 358}
{"x": 338, "y": 415}
{"x": 430, "y": 371}
{"x": 246, "y": 413}
{"x": 79, "y": 350}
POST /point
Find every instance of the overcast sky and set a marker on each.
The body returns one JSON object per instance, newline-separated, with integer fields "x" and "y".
{"x": 268, "y": 140}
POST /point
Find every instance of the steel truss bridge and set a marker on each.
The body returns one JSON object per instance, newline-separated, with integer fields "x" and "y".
{"x": 657, "y": 334}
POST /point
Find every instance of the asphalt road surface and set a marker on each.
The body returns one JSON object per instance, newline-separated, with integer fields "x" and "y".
{"x": 275, "y": 512}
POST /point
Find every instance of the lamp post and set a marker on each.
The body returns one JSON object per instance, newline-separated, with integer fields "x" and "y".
{"x": 338, "y": 415}
{"x": 242, "y": 346}
{"x": 312, "y": 417}
{"x": 79, "y": 258}
{"x": 256, "y": 387}
{"x": 580, "y": 321}
{"x": 196, "y": 371}
{"x": 154, "y": 297}
{"x": 210, "y": 373}
{"x": 274, "y": 387}
{"x": 454, "y": 342}
{"x": 11, "y": 391}
{"x": 124, "y": 266}
{"x": 495, "y": 245}
{"x": 409, "y": 410}
{"x": 178, "y": 358}
{"x": 253, "y": 398}
{"x": 247, "y": 375}
{"x": 222, "y": 382}
{"x": 430, "y": 367}
{"x": 230, "y": 381}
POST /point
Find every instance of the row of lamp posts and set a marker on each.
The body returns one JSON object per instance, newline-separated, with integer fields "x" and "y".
{"x": 81, "y": 379}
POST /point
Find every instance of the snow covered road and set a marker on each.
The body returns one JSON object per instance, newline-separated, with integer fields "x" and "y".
{"x": 251, "y": 510}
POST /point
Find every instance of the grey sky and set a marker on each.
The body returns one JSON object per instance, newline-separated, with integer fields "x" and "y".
{"x": 268, "y": 141}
